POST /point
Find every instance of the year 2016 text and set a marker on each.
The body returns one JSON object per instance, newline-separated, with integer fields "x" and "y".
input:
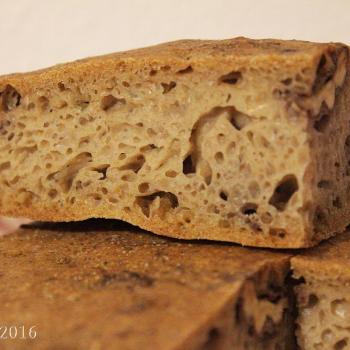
{"x": 18, "y": 332}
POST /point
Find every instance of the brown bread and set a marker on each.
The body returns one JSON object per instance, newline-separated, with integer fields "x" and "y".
{"x": 235, "y": 140}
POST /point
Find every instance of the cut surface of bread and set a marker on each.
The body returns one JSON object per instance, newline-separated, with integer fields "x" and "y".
{"x": 323, "y": 295}
{"x": 120, "y": 288}
{"x": 236, "y": 140}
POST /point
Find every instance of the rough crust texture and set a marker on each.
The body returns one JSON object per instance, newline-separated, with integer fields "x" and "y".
{"x": 236, "y": 140}
{"x": 120, "y": 288}
{"x": 323, "y": 295}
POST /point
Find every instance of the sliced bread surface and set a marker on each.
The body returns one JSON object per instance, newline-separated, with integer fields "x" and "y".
{"x": 236, "y": 140}
{"x": 323, "y": 295}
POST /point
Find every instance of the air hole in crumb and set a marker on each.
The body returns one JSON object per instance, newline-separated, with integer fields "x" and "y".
{"x": 83, "y": 121}
{"x": 67, "y": 174}
{"x": 144, "y": 187}
{"x": 52, "y": 193}
{"x": 221, "y": 138}
{"x": 104, "y": 190}
{"x": 30, "y": 106}
{"x": 223, "y": 195}
{"x": 61, "y": 86}
{"x": 341, "y": 344}
{"x": 266, "y": 218}
{"x": 171, "y": 173}
{"x": 239, "y": 120}
{"x": 97, "y": 197}
{"x": 135, "y": 164}
{"x": 231, "y": 78}
{"x": 287, "y": 81}
{"x": 250, "y": 136}
{"x": 102, "y": 169}
{"x": 283, "y": 192}
{"x": 10, "y": 98}
{"x": 347, "y": 141}
{"x": 249, "y": 209}
{"x": 325, "y": 71}
{"x": 167, "y": 87}
{"x": 339, "y": 308}
{"x": 152, "y": 72}
{"x": 188, "y": 165}
{"x": 109, "y": 101}
{"x": 213, "y": 340}
{"x": 219, "y": 157}
{"x": 14, "y": 180}
{"x": 277, "y": 232}
{"x": 43, "y": 103}
{"x": 5, "y": 165}
{"x": 129, "y": 177}
{"x": 186, "y": 70}
{"x": 167, "y": 201}
{"x": 151, "y": 132}
{"x": 321, "y": 124}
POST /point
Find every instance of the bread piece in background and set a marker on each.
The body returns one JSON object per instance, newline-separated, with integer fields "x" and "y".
{"x": 236, "y": 140}
{"x": 323, "y": 295}
{"x": 84, "y": 287}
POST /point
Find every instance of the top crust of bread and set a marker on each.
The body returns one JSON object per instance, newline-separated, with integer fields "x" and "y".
{"x": 203, "y": 53}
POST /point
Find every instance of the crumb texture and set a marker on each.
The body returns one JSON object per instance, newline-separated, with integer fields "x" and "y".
{"x": 324, "y": 316}
{"x": 323, "y": 295}
{"x": 233, "y": 151}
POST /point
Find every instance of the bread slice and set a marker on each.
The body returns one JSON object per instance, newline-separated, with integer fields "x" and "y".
{"x": 323, "y": 295}
{"x": 236, "y": 140}
{"x": 84, "y": 288}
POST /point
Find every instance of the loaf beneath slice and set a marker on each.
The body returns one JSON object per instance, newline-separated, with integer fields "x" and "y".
{"x": 323, "y": 295}
{"x": 236, "y": 140}
{"x": 121, "y": 288}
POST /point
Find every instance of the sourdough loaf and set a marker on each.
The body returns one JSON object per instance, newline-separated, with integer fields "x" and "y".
{"x": 236, "y": 140}
{"x": 323, "y": 295}
{"x": 121, "y": 288}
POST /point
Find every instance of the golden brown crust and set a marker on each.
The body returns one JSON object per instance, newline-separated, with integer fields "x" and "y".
{"x": 328, "y": 262}
{"x": 157, "y": 225}
{"x": 104, "y": 285}
{"x": 201, "y": 53}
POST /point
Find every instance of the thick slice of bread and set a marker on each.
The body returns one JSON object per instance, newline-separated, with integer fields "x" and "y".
{"x": 237, "y": 140}
{"x": 323, "y": 295}
{"x": 125, "y": 289}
